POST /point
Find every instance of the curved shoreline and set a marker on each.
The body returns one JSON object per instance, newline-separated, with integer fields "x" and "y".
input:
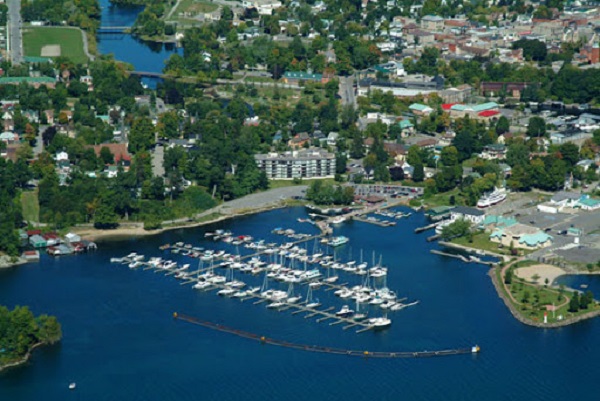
{"x": 23, "y": 360}
{"x": 139, "y": 231}
{"x": 517, "y": 315}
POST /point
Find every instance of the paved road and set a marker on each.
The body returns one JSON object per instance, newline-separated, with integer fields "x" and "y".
{"x": 158, "y": 157}
{"x": 265, "y": 199}
{"x": 347, "y": 90}
{"x": 14, "y": 31}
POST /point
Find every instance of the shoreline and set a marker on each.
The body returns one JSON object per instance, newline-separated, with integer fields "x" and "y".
{"x": 517, "y": 315}
{"x": 138, "y": 230}
{"x": 23, "y": 360}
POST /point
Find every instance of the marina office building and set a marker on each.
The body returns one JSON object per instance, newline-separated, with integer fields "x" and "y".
{"x": 310, "y": 163}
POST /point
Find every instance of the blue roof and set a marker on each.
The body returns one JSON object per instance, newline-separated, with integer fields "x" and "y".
{"x": 499, "y": 221}
{"x": 405, "y": 124}
{"x": 534, "y": 239}
{"x": 419, "y": 106}
{"x": 302, "y": 75}
{"x": 497, "y": 234}
{"x": 485, "y": 106}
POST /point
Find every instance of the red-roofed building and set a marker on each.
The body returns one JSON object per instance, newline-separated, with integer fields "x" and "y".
{"x": 488, "y": 113}
{"x": 33, "y": 232}
{"x": 447, "y": 106}
{"x": 119, "y": 151}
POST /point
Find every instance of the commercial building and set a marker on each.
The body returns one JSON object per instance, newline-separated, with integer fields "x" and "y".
{"x": 297, "y": 164}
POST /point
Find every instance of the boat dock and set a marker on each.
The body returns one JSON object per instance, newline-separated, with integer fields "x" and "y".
{"x": 427, "y": 227}
{"x": 327, "y": 350}
{"x": 377, "y": 222}
{"x": 472, "y": 259}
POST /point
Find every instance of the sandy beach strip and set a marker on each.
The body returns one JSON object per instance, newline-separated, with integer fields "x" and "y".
{"x": 542, "y": 270}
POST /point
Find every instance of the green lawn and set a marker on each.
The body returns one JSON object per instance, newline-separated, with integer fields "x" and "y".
{"x": 194, "y": 7}
{"x": 442, "y": 199}
{"x": 531, "y": 300}
{"x": 290, "y": 183}
{"x": 31, "y": 206}
{"x": 69, "y": 39}
{"x": 481, "y": 240}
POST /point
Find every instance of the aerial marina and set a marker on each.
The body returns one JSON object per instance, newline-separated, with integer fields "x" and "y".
{"x": 285, "y": 276}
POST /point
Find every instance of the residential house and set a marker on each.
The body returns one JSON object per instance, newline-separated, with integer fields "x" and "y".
{"x": 432, "y": 23}
{"x": 332, "y": 138}
{"x": 9, "y": 137}
{"x": 406, "y": 128}
{"x": 420, "y": 109}
{"x": 495, "y": 151}
{"x": 118, "y": 150}
{"x": 299, "y": 140}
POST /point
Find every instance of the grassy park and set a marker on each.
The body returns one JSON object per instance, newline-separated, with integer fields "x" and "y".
{"x": 31, "y": 206}
{"x": 69, "y": 39}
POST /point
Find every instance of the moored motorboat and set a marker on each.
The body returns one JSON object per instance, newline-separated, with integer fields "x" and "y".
{"x": 344, "y": 312}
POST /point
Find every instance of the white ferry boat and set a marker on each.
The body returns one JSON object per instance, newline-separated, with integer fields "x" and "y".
{"x": 338, "y": 241}
{"x": 492, "y": 198}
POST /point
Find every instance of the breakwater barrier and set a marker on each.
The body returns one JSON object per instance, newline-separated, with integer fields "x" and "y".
{"x": 320, "y": 349}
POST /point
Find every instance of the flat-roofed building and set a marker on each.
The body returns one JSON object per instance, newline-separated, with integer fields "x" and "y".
{"x": 310, "y": 163}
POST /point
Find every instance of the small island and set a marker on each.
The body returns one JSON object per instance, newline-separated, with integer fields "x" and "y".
{"x": 21, "y": 332}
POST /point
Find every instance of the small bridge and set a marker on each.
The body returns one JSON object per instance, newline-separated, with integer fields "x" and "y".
{"x": 112, "y": 29}
{"x": 147, "y": 74}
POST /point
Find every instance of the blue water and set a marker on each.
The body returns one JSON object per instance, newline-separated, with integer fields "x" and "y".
{"x": 121, "y": 343}
{"x": 144, "y": 56}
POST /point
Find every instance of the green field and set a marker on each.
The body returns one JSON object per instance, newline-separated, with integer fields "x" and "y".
{"x": 31, "y": 207}
{"x": 193, "y": 7}
{"x": 69, "y": 39}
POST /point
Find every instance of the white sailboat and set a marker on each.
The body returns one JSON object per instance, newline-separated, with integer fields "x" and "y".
{"x": 310, "y": 303}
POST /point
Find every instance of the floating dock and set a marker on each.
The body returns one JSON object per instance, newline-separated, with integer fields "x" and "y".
{"x": 327, "y": 350}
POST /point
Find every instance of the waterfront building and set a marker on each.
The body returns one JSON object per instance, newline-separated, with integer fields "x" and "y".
{"x": 521, "y": 236}
{"x": 471, "y": 214}
{"x": 297, "y": 164}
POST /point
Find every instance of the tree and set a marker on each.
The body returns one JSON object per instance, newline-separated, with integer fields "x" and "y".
{"x": 396, "y": 173}
{"x": 449, "y": 156}
{"x": 458, "y": 228}
{"x": 536, "y": 127}
{"x": 141, "y": 136}
{"x": 517, "y": 154}
{"x": 418, "y": 172}
{"x": 508, "y": 277}
{"x": 168, "y": 125}
{"x": 106, "y": 156}
{"x": 105, "y": 216}
{"x": 502, "y": 126}
{"x": 570, "y": 154}
{"x": 574, "y": 303}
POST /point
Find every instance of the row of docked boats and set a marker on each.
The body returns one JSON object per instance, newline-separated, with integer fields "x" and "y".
{"x": 391, "y": 214}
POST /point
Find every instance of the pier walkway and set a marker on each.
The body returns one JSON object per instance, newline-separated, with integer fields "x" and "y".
{"x": 326, "y": 350}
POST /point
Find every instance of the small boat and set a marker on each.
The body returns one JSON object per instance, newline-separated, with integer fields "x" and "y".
{"x": 226, "y": 292}
{"x": 313, "y": 305}
{"x": 202, "y": 285}
{"x": 117, "y": 260}
{"x": 344, "y": 312}
{"x": 380, "y": 323}
{"x": 240, "y": 294}
{"x": 276, "y": 305}
{"x": 72, "y": 386}
{"x": 338, "y": 220}
{"x": 331, "y": 280}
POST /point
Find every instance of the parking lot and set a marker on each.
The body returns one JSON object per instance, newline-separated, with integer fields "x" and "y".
{"x": 564, "y": 245}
